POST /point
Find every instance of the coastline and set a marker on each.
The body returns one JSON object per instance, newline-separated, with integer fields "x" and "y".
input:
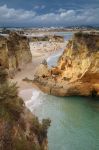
{"x": 40, "y": 51}
{"x": 75, "y": 73}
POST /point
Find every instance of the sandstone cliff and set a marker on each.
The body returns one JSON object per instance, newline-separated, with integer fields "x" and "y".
{"x": 14, "y": 52}
{"x": 77, "y": 72}
{"x": 19, "y": 129}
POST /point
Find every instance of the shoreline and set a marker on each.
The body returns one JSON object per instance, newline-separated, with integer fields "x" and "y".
{"x": 75, "y": 73}
{"x": 40, "y": 51}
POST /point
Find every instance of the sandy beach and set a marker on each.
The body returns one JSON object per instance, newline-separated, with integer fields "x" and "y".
{"x": 40, "y": 51}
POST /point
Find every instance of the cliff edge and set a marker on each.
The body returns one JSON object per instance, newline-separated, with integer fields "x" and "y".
{"x": 19, "y": 128}
{"x": 77, "y": 71}
{"x": 14, "y": 52}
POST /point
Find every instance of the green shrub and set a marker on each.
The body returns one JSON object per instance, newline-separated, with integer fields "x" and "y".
{"x": 40, "y": 129}
{"x": 11, "y": 106}
{"x": 3, "y": 75}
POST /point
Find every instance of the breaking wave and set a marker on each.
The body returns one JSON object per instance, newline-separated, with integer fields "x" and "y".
{"x": 35, "y": 101}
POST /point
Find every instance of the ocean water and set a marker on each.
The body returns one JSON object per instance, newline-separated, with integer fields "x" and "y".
{"x": 52, "y": 60}
{"x": 67, "y": 35}
{"x": 74, "y": 120}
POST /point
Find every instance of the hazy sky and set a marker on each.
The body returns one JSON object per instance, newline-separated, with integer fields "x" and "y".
{"x": 49, "y": 12}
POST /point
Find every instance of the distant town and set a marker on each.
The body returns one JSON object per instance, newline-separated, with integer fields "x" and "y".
{"x": 5, "y": 30}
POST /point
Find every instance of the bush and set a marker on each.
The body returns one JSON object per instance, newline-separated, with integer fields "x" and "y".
{"x": 8, "y": 92}
{"x": 3, "y": 75}
{"x": 11, "y": 106}
{"x": 40, "y": 129}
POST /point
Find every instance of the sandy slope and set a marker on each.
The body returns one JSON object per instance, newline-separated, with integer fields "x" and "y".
{"x": 40, "y": 51}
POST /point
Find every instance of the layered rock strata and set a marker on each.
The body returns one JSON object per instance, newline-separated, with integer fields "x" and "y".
{"x": 14, "y": 52}
{"x": 77, "y": 71}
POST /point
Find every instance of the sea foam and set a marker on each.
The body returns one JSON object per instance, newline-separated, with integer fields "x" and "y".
{"x": 35, "y": 101}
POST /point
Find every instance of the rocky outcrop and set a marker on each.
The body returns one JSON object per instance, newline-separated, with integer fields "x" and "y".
{"x": 77, "y": 72}
{"x": 19, "y": 128}
{"x": 14, "y": 52}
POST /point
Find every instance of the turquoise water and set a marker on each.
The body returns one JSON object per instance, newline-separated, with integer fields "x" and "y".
{"x": 67, "y": 35}
{"x": 74, "y": 120}
{"x": 52, "y": 60}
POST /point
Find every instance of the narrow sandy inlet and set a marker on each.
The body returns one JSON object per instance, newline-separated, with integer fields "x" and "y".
{"x": 40, "y": 51}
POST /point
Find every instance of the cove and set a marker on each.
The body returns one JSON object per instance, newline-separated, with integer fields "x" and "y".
{"x": 74, "y": 120}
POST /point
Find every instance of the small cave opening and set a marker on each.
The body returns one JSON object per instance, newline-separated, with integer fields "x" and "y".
{"x": 94, "y": 93}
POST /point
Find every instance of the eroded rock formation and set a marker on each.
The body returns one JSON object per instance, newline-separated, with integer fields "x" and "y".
{"x": 77, "y": 72}
{"x": 19, "y": 128}
{"x": 14, "y": 52}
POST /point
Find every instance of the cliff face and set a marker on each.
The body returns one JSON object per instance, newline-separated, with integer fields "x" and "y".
{"x": 77, "y": 72}
{"x": 81, "y": 57}
{"x": 14, "y": 52}
{"x": 19, "y": 129}
{"x": 3, "y": 52}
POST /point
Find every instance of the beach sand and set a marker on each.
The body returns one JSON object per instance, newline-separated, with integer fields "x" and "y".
{"x": 40, "y": 51}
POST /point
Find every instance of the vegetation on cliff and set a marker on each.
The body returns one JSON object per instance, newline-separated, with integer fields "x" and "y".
{"x": 19, "y": 129}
